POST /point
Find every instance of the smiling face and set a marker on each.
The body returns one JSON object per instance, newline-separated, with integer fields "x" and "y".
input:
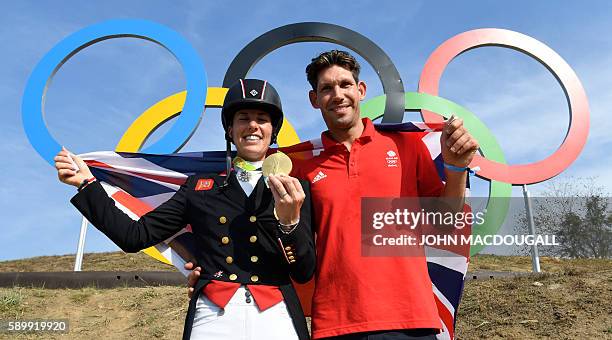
{"x": 251, "y": 131}
{"x": 338, "y": 96}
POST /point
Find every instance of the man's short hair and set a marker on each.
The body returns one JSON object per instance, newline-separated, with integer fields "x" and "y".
{"x": 330, "y": 58}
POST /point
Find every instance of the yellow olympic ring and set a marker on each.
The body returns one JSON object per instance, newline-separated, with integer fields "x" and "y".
{"x": 162, "y": 111}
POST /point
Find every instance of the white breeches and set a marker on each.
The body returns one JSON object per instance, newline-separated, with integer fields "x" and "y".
{"x": 241, "y": 320}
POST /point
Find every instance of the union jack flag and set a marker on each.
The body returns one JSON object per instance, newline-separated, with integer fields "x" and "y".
{"x": 140, "y": 182}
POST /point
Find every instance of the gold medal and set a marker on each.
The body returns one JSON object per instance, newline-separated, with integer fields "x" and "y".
{"x": 277, "y": 164}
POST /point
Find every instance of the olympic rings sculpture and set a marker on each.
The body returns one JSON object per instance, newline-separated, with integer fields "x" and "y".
{"x": 390, "y": 106}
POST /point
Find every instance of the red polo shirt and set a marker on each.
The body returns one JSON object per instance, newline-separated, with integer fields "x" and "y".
{"x": 354, "y": 293}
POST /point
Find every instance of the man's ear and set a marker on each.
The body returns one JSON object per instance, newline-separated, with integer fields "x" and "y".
{"x": 312, "y": 95}
{"x": 362, "y": 89}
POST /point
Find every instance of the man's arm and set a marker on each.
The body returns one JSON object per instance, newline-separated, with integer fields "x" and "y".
{"x": 458, "y": 148}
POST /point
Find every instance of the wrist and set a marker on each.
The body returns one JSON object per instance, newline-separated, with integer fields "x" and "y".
{"x": 288, "y": 228}
{"x": 459, "y": 170}
{"x": 286, "y": 222}
{"x": 85, "y": 183}
{"x": 455, "y": 168}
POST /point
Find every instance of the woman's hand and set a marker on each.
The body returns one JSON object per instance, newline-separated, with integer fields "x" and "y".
{"x": 66, "y": 171}
{"x": 288, "y": 198}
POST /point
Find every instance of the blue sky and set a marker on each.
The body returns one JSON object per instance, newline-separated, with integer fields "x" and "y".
{"x": 102, "y": 89}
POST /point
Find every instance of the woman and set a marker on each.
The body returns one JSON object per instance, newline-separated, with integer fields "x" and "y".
{"x": 251, "y": 240}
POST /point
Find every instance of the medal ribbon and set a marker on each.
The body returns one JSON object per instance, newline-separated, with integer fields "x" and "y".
{"x": 244, "y": 165}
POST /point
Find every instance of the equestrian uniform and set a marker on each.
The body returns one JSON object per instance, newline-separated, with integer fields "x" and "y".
{"x": 238, "y": 244}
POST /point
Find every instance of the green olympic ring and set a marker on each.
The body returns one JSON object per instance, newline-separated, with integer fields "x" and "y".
{"x": 499, "y": 192}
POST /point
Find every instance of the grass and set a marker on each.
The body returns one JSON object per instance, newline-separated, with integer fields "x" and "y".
{"x": 83, "y": 295}
{"x": 562, "y": 305}
{"x": 571, "y": 300}
{"x": 11, "y": 303}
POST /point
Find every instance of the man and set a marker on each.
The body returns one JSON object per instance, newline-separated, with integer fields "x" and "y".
{"x": 360, "y": 297}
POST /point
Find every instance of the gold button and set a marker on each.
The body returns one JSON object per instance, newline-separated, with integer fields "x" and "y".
{"x": 233, "y": 277}
{"x": 254, "y": 278}
{"x": 291, "y": 261}
{"x": 229, "y": 259}
{"x": 291, "y": 257}
{"x": 222, "y": 219}
{"x": 288, "y": 248}
{"x": 254, "y": 258}
{"x": 289, "y": 253}
{"x": 225, "y": 240}
{"x": 253, "y": 239}
{"x": 253, "y": 219}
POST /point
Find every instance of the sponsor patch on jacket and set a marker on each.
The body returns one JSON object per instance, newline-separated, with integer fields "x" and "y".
{"x": 204, "y": 184}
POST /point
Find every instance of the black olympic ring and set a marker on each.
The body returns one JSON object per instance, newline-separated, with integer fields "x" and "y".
{"x": 390, "y": 78}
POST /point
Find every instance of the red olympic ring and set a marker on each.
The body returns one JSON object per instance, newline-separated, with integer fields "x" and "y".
{"x": 576, "y": 97}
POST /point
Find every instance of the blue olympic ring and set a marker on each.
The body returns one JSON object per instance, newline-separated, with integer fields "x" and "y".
{"x": 32, "y": 106}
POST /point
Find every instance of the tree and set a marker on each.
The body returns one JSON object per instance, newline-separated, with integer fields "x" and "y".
{"x": 578, "y": 214}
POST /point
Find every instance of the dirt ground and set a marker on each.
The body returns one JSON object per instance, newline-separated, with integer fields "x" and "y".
{"x": 572, "y": 300}
{"x": 123, "y": 313}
